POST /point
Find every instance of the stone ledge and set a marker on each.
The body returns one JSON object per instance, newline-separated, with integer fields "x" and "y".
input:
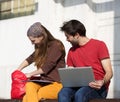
{"x": 10, "y": 100}
{"x": 105, "y": 100}
{"x": 55, "y": 100}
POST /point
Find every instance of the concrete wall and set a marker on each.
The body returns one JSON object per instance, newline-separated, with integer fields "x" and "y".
{"x": 102, "y": 21}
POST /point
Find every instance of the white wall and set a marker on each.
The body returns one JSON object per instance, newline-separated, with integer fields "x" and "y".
{"x": 102, "y": 21}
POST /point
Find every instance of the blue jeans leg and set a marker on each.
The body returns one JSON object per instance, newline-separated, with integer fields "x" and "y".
{"x": 84, "y": 94}
{"x": 66, "y": 94}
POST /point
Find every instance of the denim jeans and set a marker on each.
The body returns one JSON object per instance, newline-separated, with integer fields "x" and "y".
{"x": 81, "y": 94}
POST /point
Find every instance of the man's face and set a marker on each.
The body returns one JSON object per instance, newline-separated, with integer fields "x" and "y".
{"x": 72, "y": 39}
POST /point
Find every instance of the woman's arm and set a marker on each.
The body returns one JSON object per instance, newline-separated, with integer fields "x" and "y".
{"x": 23, "y": 65}
{"x": 33, "y": 73}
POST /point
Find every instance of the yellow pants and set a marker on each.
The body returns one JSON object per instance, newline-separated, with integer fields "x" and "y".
{"x": 36, "y": 92}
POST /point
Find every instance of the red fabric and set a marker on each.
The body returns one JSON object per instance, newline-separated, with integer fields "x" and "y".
{"x": 89, "y": 54}
{"x": 18, "y": 84}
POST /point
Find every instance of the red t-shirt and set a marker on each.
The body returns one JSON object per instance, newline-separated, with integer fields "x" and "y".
{"x": 89, "y": 54}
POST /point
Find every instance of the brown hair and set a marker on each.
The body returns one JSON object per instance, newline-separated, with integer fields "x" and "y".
{"x": 37, "y": 30}
{"x": 74, "y": 26}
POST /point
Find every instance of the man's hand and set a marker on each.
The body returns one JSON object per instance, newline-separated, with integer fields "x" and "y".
{"x": 96, "y": 84}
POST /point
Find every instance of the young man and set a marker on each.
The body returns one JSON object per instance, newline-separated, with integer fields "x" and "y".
{"x": 86, "y": 52}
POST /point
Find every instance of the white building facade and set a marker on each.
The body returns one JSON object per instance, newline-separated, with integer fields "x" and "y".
{"x": 100, "y": 17}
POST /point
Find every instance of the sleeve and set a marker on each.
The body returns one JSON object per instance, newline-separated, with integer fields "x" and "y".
{"x": 30, "y": 59}
{"x": 69, "y": 58}
{"x": 103, "y": 51}
{"x": 53, "y": 56}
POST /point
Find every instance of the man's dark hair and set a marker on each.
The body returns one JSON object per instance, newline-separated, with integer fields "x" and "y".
{"x": 72, "y": 27}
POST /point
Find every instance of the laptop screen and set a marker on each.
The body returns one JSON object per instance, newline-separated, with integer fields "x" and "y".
{"x": 76, "y": 77}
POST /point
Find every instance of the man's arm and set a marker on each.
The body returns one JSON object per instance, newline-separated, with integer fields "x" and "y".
{"x": 106, "y": 63}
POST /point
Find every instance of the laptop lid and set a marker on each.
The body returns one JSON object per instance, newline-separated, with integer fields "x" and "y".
{"x": 76, "y": 77}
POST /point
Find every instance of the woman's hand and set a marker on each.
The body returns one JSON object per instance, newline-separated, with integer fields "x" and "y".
{"x": 28, "y": 75}
{"x": 96, "y": 84}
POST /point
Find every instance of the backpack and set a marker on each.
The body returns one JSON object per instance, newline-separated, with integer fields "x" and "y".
{"x": 19, "y": 80}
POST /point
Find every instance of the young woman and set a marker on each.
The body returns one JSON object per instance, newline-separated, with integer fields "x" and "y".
{"x": 49, "y": 55}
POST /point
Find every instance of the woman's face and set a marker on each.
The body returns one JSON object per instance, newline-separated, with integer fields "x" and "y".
{"x": 36, "y": 40}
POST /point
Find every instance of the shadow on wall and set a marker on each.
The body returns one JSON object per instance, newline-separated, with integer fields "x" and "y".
{"x": 96, "y": 7}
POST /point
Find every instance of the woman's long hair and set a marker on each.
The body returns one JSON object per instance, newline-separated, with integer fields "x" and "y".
{"x": 41, "y": 49}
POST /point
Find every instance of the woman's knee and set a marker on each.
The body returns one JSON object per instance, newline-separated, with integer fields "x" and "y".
{"x": 31, "y": 86}
{"x": 28, "y": 85}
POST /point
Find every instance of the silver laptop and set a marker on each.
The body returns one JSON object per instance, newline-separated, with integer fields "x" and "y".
{"x": 76, "y": 77}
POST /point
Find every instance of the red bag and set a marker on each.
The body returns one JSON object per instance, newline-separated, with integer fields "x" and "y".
{"x": 19, "y": 80}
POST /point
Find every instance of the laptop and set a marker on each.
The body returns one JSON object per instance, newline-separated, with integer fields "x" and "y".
{"x": 76, "y": 77}
{"x": 37, "y": 79}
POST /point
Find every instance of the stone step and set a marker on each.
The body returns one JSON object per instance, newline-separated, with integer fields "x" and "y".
{"x": 55, "y": 100}
{"x": 105, "y": 100}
